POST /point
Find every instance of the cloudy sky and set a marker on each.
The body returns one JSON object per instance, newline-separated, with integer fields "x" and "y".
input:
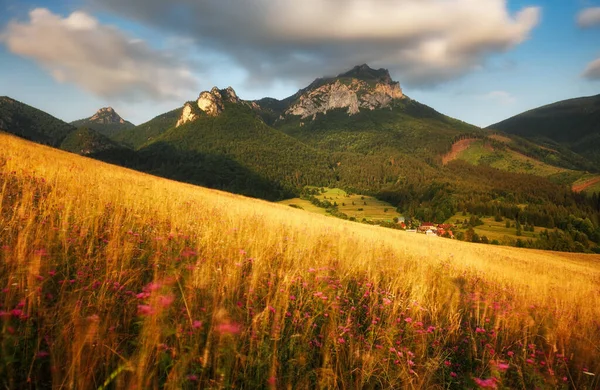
{"x": 477, "y": 60}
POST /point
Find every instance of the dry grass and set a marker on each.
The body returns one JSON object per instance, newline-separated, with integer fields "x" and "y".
{"x": 117, "y": 279}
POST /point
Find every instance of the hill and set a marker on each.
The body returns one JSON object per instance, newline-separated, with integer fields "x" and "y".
{"x": 106, "y": 122}
{"x": 113, "y": 278}
{"x": 574, "y": 123}
{"x": 32, "y": 124}
{"x": 146, "y": 132}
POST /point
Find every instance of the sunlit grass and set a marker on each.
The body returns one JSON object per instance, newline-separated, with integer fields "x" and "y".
{"x": 115, "y": 278}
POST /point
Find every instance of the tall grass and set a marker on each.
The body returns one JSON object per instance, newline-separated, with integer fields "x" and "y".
{"x": 115, "y": 279}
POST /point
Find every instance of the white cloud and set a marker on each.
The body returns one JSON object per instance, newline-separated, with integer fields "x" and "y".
{"x": 425, "y": 42}
{"x": 589, "y": 17}
{"x": 98, "y": 58}
{"x": 500, "y": 97}
{"x": 592, "y": 71}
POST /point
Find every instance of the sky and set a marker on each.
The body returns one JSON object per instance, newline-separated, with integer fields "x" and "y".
{"x": 480, "y": 61}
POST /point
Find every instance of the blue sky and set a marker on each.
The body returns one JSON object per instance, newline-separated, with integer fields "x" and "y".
{"x": 169, "y": 55}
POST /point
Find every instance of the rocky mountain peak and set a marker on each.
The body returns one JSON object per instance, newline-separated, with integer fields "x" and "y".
{"x": 106, "y": 115}
{"x": 366, "y": 73}
{"x": 210, "y": 102}
{"x": 360, "y": 88}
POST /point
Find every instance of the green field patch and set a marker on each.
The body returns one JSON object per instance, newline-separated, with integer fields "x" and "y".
{"x": 353, "y": 205}
{"x": 479, "y": 153}
{"x": 495, "y": 230}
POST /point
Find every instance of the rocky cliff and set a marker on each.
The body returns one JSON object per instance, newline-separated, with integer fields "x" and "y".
{"x": 212, "y": 103}
{"x": 360, "y": 88}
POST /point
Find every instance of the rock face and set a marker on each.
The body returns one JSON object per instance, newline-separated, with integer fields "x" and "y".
{"x": 106, "y": 115}
{"x": 360, "y": 88}
{"x": 210, "y": 102}
{"x": 187, "y": 115}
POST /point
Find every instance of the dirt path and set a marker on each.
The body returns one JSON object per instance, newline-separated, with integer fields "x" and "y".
{"x": 586, "y": 184}
{"x": 457, "y": 147}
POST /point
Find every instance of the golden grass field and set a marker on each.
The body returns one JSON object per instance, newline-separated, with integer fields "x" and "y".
{"x": 116, "y": 279}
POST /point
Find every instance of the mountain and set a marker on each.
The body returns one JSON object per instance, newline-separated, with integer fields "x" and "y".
{"x": 32, "y": 124}
{"x": 365, "y": 111}
{"x": 220, "y": 141}
{"x": 105, "y": 121}
{"x": 573, "y": 123}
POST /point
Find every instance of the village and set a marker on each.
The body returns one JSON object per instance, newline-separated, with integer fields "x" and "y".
{"x": 431, "y": 229}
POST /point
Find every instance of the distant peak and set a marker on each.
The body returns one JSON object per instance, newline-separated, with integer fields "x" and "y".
{"x": 365, "y": 72}
{"x": 107, "y": 115}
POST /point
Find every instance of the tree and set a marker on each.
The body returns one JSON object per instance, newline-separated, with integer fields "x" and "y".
{"x": 507, "y": 224}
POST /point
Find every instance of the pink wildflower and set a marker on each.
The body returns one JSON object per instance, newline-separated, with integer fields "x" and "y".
{"x": 486, "y": 383}
{"x": 145, "y": 310}
{"x": 228, "y": 328}
{"x": 196, "y": 324}
{"x": 166, "y": 300}
{"x": 453, "y": 374}
{"x": 408, "y": 320}
{"x": 502, "y": 366}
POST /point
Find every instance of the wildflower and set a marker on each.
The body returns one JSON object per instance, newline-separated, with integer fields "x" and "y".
{"x": 166, "y": 300}
{"x": 502, "y": 366}
{"x": 479, "y": 330}
{"x": 272, "y": 380}
{"x": 228, "y": 328}
{"x": 42, "y": 354}
{"x": 453, "y": 374}
{"x": 510, "y": 353}
{"x": 486, "y": 383}
{"x": 408, "y": 320}
{"x": 196, "y": 324}
{"x": 192, "y": 378}
{"x": 145, "y": 310}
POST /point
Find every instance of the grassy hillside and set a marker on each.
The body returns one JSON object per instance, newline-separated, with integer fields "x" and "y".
{"x": 113, "y": 278}
{"x": 481, "y": 152}
{"x": 574, "y": 123}
{"x": 30, "y": 123}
